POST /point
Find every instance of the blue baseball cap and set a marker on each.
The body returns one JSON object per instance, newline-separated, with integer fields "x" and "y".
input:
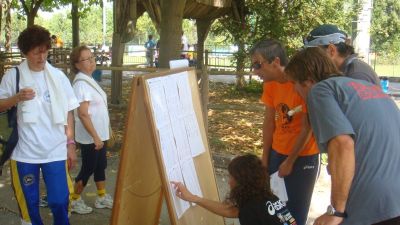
{"x": 324, "y": 35}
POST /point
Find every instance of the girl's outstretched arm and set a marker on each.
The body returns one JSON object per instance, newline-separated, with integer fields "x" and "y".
{"x": 224, "y": 209}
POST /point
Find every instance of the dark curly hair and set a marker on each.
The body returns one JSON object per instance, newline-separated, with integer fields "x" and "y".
{"x": 32, "y": 37}
{"x": 252, "y": 180}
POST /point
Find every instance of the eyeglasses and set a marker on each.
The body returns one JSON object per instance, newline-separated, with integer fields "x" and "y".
{"x": 257, "y": 65}
{"x": 91, "y": 58}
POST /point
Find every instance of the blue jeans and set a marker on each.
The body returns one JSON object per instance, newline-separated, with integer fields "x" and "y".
{"x": 299, "y": 184}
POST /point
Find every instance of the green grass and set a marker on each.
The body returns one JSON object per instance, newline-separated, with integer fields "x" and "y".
{"x": 387, "y": 70}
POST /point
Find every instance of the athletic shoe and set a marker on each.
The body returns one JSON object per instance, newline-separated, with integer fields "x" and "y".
{"x": 104, "y": 202}
{"x": 79, "y": 206}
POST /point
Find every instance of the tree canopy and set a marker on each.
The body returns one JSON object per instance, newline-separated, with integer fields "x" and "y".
{"x": 385, "y": 29}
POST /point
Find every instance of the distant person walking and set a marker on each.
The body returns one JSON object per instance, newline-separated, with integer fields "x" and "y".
{"x": 334, "y": 41}
{"x": 359, "y": 127}
{"x": 150, "y": 48}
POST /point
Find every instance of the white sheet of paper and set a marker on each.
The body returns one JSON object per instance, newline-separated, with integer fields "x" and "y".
{"x": 185, "y": 94}
{"x": 190, "y": 177}
{"x": 194, "y": 136}
{"x": 179, "y": 63}
{"x": 278, "y": 187}
{"x": 168, "y": 148}
{"x": 180, "y": 205}
{"x": 181, "y": 140}
{"x": 158, "y": 101}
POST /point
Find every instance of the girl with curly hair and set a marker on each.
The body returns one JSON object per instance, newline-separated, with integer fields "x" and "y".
{"x": 250, "y": 198}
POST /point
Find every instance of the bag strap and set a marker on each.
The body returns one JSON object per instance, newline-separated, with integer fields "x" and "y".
{"x": 95, "y": 88}
{"x": 12, "y": 112}
{"x": 17, "y": 77}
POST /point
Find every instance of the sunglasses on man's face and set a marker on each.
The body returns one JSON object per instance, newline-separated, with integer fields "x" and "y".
{"x": 257, "y": 65}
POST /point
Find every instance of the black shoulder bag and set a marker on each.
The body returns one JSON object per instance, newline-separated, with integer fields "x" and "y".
{"x": 11, "y": 141}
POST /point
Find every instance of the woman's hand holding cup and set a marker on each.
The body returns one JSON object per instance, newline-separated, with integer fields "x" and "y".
{"x": 26, "y": 94}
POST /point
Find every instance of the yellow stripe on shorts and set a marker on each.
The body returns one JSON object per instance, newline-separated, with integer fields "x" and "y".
{"x": 19, "y": 194}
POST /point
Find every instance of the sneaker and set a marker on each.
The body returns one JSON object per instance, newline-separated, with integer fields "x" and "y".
{"x": 104, "y": 202}
{"x": 79, "y": 206}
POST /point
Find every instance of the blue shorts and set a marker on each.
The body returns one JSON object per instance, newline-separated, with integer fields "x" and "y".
{"x": 25, "y": 182}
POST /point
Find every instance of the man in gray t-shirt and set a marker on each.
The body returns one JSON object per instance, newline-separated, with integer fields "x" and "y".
{"x": 359, "y": 126}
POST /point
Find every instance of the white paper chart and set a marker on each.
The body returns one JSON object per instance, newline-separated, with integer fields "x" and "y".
{"x": 178, "y": 131}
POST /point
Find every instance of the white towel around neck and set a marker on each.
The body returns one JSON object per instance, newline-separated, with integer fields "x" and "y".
{"x": 59, "y": 102}
{"x": 81, "y": 76}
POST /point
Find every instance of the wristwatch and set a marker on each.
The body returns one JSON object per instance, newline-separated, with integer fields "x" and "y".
{"x": 332, "y": 212}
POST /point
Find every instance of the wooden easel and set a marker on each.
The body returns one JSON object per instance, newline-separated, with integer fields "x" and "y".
{"x": 142, "y": 180}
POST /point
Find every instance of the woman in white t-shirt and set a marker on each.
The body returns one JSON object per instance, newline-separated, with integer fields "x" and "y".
{"x": 91, "y": 130}
{"x": 45, "y": 138}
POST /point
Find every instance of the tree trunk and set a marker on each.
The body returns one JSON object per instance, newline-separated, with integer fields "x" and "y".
{"x": 1, "y": 14}
{"x": 203, "y": 27}
{"x": 30, "y": 19}
{"x": 7, "y": 27}
{"x": 117, "y": 60}
{"x": 124, "y": 19}
{"x": 240, "y": 81}
{"x": 75, "y": 23}
{"x": 31, "y": 10}
{"x": 171, "y": 31}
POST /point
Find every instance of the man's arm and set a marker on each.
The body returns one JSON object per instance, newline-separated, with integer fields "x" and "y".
{"x": 287, "y": 165}
{"x": 341, "y": 163}
{"x": 268, "y": 131}
{"x": 341, "y": 159}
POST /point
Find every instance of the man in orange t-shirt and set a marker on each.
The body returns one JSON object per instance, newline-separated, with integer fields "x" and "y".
{"x": 289, "y": 146}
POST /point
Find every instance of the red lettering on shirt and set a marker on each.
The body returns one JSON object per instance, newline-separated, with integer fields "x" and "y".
{"x": 367, "y": 91}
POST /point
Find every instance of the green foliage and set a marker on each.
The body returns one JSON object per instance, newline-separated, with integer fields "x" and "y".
{"x": 254, "y": 86}
{"x": 60, "y": 24}
{"x": 385, "y": 28}
{"x": 250, "y": 88}
{"x": 286, "y": 20}
{"x": 144, "y": 27}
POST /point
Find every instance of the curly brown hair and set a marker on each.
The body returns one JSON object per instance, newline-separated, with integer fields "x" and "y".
{"x": 252, "y": 180}
{"x": 32, "y": 37}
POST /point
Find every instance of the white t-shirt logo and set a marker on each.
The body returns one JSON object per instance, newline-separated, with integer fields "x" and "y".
{"x": 46, "y": 96}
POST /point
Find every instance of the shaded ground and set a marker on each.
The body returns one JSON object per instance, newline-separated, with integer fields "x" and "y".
{"x": 235, "y": 120}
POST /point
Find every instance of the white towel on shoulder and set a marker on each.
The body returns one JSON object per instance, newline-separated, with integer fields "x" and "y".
{"x": 59, "y": 102}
